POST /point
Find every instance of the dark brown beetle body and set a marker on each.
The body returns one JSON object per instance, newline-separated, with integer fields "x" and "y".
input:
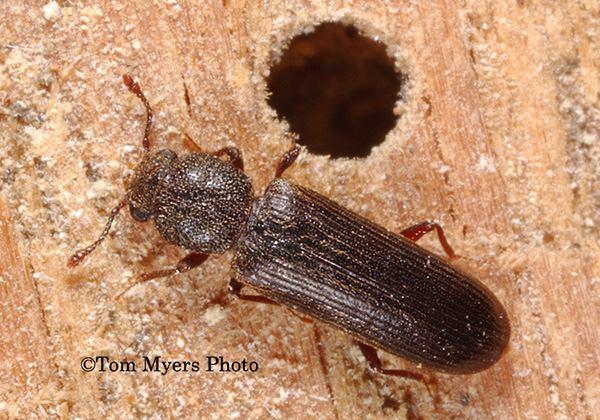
{"x": 300, "y": 249}
{"x": 307, "y": 252}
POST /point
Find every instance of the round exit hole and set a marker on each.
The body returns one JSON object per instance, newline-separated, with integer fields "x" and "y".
{"x": 337, "y": 90}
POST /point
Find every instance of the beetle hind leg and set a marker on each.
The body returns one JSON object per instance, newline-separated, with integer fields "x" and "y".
{"x": 414, "y": 233}
{"x": 374, "y": 361}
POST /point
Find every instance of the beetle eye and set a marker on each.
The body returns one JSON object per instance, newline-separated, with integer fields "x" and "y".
{"x": 138, "y": 214}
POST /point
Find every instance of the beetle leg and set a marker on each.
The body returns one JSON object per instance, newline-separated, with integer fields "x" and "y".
{"x": 234, "y": 155}
{"x": 289, "y": 157}
{"x": 287, "y": 160}
{"x": 370, "y": 354}
{"x": 187, "y": 263}
{"x": 235, "y": 288}
{"x": 414, "y": 233}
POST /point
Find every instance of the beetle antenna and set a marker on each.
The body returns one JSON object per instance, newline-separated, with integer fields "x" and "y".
{"x": 135, "y": 88}
{"x": 82, "y": 253}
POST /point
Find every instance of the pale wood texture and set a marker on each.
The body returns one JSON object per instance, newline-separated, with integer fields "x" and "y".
{"x": 498, "y": 140}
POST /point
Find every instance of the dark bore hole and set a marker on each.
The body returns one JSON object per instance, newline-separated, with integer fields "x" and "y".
{"x": 337, "y": 89}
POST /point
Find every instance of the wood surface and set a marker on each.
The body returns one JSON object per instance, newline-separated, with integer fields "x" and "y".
{"x": 497, "y": 139}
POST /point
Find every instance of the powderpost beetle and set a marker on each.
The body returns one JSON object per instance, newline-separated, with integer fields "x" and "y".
{"x": 298, "y": 248}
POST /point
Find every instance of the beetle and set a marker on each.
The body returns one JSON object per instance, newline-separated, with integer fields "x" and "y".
{"x": 296, "y": 247}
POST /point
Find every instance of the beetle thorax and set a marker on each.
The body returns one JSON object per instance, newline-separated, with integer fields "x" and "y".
{"x": 198, "y": 201}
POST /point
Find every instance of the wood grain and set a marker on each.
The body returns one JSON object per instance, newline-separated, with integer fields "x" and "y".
{"x": 498, "y": 139}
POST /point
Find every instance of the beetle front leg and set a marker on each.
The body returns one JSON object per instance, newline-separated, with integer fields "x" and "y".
{"x": 187, "y": 263}
{"x": 289, "y": 157}
{"x": 234, "y": 155}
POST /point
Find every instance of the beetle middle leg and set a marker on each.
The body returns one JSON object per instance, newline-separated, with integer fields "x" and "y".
{"x": 235, "y": 288}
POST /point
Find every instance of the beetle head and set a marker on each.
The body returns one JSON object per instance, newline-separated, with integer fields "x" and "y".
{"x": 142, "y": 190}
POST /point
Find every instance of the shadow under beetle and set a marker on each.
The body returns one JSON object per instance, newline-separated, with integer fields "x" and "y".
{"x": 298, "y": 248}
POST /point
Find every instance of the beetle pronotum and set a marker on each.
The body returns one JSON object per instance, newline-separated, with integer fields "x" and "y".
{"x": 298, "y": 248}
